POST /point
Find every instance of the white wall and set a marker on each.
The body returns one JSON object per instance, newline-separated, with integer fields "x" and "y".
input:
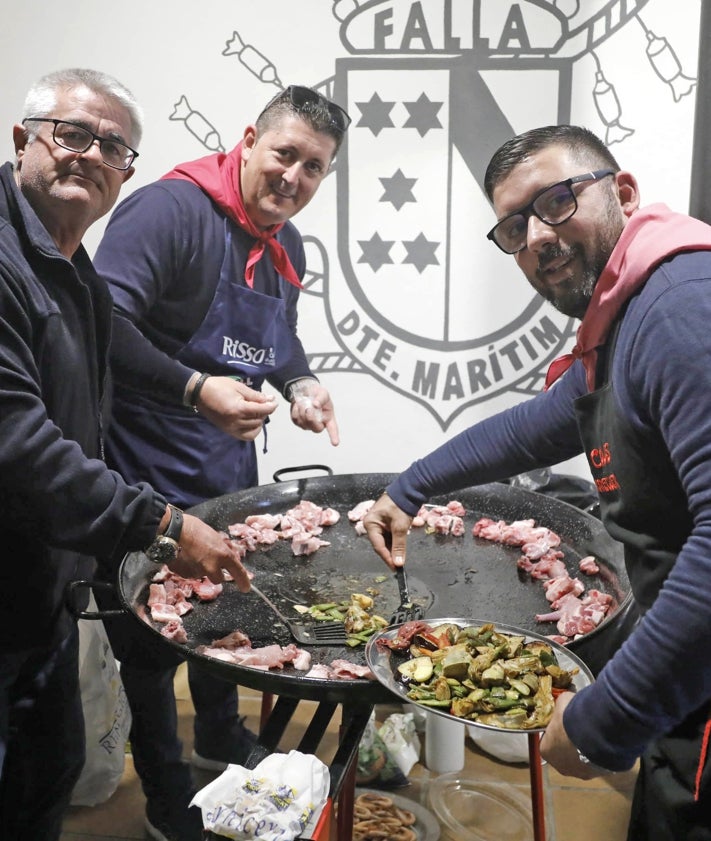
{"x": 466, "y": 302}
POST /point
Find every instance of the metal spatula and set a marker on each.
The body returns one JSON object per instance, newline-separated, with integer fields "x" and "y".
{"x": 316, "y": 633}
{"x": 407, "y": 610}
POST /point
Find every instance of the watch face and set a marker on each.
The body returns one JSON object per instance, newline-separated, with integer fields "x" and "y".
{"x": 163, "y": 550}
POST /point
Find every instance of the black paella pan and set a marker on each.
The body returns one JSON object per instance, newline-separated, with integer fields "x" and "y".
{"x": 448, "y": 575}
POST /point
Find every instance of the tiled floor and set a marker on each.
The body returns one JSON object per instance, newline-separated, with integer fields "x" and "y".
{"x": 584, "y": 811}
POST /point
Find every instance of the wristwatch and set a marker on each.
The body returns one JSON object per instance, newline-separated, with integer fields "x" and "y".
{"x": 165, "y": 547}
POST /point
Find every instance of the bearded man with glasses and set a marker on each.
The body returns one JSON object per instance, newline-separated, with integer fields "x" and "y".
{"x": 637, "y": 389}
{"x": 60, "y": 504}
{"x": 205, "y": 268}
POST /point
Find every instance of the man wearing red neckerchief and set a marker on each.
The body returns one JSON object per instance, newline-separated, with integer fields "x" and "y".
{"x": 205, "y": 270}
{"x": 636, "y": 389}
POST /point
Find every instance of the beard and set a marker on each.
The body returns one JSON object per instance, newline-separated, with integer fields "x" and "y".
{"x": 572, "y": 296}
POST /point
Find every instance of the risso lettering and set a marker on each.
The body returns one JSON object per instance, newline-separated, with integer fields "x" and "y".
{"x": 243, "y": 351}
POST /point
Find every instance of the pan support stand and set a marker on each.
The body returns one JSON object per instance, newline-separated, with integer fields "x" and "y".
{"x": 536, "y": 770}
{"x": 276, "y": 716}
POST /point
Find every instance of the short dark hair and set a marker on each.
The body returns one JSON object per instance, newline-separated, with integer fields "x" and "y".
{"x": 585, "y": 147}
{"x": 317, "y": 115}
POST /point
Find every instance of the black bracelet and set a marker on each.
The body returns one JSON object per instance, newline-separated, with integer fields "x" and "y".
{"x": 197, "y": 388}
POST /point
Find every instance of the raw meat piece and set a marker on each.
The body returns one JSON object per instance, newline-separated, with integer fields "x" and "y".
{"x": 442, "y": 519}
{"x": 544, "y": 569}
{"x": 267, "y": 657}
{"x": 455, "y": 507}
{"x": 234, "y": 640}
{"x": 360, "y": 510}
{"x": 306, "y": 544}
{"x": 556, "y": 588}
{"x": 156, "y": 594}
{"x": 576, "y": 616}
{"x": 588, "y": 565}
{"x": 346, "y": 669}
{"x": 339, "y": 670}
{"x": 329, "y": 517}
{"x": 175, "y": 630}
{"x": 206, "y": 591}
{"x": 541, "y": 558}
{"x": 263, "y": 521}
{"x": 164, "y": 613}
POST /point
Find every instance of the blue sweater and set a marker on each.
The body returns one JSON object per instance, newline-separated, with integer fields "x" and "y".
{"x": 161, "y": 255}
{"x": 661, "y": 381}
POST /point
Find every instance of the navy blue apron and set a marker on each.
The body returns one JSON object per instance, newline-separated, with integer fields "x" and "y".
{"x": 643, "y": 505}
{"x": 185, "y": 457}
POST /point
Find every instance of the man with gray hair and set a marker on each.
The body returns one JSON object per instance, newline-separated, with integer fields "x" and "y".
{"x": 60, "y": 504}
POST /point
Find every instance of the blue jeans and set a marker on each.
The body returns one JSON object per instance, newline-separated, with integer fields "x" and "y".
{"x": 42, "y": 741}
{"x": 155, "y": 745}
{"x": 148, "y": 669}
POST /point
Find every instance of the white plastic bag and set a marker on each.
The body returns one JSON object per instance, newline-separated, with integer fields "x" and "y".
{"x": 401, "y": 739}
{"x": 107, "y": 716}
{"x": 277, "y": 801}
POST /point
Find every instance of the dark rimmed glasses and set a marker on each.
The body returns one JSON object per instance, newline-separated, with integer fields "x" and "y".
{"x": 305, "y": 99}
{"x": 553, "y": 205}
{"x": 77, "y": 138}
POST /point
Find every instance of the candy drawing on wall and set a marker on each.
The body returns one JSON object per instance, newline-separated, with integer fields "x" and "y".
{"x": 416, "y": 299}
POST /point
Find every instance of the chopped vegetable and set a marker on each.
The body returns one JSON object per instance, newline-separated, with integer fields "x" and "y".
{"x": 360, "y": 625}
{"x": 483, "y": 675}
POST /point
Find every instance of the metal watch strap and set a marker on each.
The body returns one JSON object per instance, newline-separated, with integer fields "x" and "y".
{"x": 175, "y": 524}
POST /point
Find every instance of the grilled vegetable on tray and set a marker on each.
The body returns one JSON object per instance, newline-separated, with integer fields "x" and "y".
{"x": 481, "y": 674}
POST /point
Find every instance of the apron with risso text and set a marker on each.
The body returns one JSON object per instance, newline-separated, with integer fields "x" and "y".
{"x": 244, "y": 334}
{"x": 643, "y": 505}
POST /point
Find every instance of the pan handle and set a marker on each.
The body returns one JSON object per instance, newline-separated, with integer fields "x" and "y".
{"x": 71, "y": 596}
{"x": 299, "y": 469}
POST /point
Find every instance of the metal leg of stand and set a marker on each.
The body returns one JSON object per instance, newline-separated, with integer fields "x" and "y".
{"x": 345, "y": 765}
{"x": 266, "y": 708}
{"x": 346, "y": 799}
{"x": 536, "y": 769}
{"x": 342, "y": 770}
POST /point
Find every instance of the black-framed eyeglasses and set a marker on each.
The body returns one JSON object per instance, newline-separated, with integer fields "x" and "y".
{"x": 77, "y": 138}
{"x": 305, "y": 99}
{"x": 553, "y": 205}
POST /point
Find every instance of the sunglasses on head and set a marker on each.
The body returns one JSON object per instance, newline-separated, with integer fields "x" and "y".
{"x": 306, "y": 99}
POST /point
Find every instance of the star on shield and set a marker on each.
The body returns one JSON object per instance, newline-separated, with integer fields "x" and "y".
{"x": 420, "y": 252}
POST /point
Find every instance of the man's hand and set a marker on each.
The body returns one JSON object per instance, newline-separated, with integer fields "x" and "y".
{"x": 387, "y": 526}
{"x": 312, "y": 408}
{"x": 557, "y": 748}
{"x": 234, "y": 407}
{"x": 204, "y": 551}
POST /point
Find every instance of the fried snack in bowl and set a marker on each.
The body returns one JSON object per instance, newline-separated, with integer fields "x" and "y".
{"x": 377, "y": 818}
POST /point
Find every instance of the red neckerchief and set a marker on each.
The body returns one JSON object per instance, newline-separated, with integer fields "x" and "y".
{"x": 219, "y": 176}
{"x": 651, "y": 235}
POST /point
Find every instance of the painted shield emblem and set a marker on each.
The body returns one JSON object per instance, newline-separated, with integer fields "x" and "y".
{"x": 427, "y": 304}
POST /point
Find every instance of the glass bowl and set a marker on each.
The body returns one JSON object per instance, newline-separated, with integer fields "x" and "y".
{"x": 473, "y": 810}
